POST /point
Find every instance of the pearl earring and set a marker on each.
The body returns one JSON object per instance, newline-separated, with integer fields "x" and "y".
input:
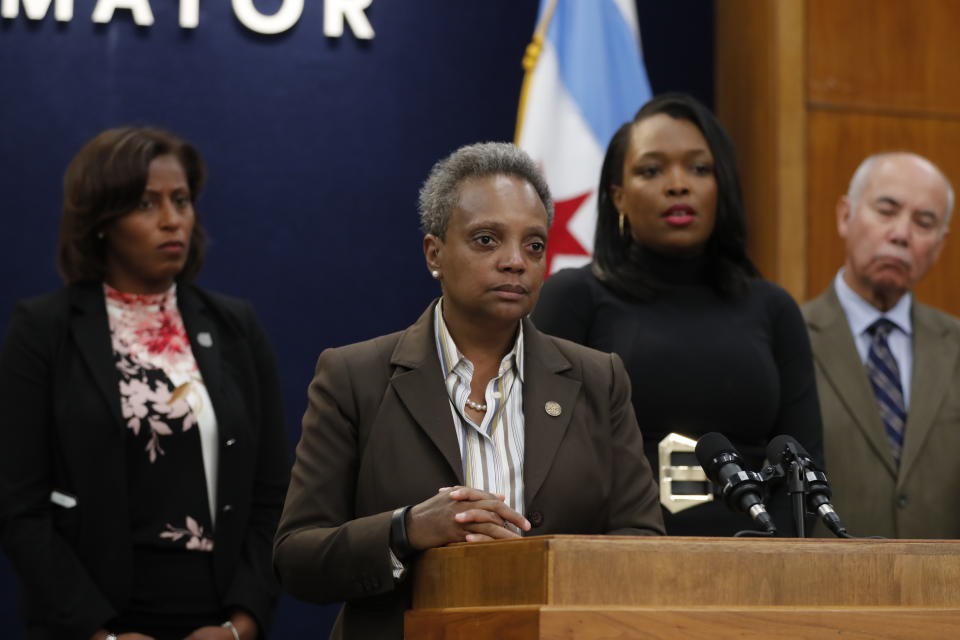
{"x": 435, "y": 274}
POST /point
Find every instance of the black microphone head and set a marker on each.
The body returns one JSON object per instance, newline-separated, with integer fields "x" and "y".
{"x": 740, "y": 489}
{"x": 778, "y": 446}
{"x": 710, "y": 446}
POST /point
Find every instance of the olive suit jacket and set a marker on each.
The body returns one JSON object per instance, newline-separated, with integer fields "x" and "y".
{"x": 872, "y": 496}
{"x": 62, "y": 429}
{"x": 379, "y": 434}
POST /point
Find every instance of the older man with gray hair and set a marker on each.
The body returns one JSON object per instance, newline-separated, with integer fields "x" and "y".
{"x": 887, "y": 366}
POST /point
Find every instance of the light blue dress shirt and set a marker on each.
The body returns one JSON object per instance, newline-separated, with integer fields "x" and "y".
{"x": 861, "y": 314}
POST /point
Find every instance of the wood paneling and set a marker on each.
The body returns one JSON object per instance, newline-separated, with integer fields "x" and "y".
{"x": 839, "y": 140}
{"x": 885, "y": 55}
{"x": 743, "y": 43}
{"x": 791, "y": 156}
{"x": 760, "y": 100}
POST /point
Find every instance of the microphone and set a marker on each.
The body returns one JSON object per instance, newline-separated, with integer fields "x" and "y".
{"x": 785, "y": 449}
{"x": 739, "y": 488}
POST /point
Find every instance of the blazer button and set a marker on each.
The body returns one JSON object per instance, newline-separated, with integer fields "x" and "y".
{"x": 231, "y": 442}
{"x": 902, "y": 501}
{"x": 535, "y": 518}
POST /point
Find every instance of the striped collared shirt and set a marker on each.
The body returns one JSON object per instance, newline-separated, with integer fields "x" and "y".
{"x": 491, "y": 452}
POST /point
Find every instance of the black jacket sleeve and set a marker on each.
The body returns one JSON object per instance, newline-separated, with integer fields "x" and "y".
{"x": 57, "y": 586}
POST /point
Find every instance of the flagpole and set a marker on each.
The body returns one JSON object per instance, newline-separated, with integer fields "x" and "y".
{"x": 530, "y": 58}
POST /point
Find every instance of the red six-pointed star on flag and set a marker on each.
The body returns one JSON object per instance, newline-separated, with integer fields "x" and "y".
{"x": 562, "y": 242}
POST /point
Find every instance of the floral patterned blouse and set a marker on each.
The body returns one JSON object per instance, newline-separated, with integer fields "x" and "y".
{"x": 171, "y": 428}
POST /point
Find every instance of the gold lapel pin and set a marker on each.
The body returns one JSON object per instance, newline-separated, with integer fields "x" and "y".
{"x": 552, "y": 408}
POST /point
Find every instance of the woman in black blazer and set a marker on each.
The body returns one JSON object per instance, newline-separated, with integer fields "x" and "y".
{"x": 142, "y": 452}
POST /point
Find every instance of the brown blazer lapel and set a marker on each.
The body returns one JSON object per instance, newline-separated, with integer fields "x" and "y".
{"x": 418, "y": 381}
{"x": 419, "y": 384}
{"x": 543, "y": 383}
{"x": 836, "y": 354}
{"x": 934, "y": 360}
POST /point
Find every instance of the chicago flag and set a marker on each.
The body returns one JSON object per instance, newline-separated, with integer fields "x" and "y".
{"x": 584, "y": 78}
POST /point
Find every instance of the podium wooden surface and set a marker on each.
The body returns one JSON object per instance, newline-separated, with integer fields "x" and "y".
{"x": 592, "y": 587}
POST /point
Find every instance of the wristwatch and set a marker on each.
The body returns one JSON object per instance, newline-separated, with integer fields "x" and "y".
{"x": 399, "y": 542}
{"x": 110, "y": 636}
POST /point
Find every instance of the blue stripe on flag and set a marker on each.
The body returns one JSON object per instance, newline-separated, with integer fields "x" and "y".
{"x": 600, "y": 63}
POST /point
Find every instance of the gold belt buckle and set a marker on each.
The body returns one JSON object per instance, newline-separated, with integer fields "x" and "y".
{"x": 671, "y": 473}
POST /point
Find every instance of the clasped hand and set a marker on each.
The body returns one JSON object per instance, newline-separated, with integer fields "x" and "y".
{"x": 461, "y": 514}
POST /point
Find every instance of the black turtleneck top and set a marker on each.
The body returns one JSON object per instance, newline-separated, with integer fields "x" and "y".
{"x": 699, "y": 362}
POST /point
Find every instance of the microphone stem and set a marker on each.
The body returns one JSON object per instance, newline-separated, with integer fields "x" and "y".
{"x": 797, "y": 490}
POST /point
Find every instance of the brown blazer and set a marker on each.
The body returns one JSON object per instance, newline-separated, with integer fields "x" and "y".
{"x": 378, "y": 434}
{"x": 871, "y": 496}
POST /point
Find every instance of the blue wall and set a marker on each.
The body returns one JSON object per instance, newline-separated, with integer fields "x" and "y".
{"x": 316, "y": 148}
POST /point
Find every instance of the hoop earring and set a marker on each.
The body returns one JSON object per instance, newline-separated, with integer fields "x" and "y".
{"x": 622, "y": 223}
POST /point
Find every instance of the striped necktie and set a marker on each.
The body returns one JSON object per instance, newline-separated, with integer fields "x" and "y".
{"x": 884, "y": 377}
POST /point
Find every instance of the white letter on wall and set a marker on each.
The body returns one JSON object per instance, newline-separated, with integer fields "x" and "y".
{"x": 285, "y": 17}
{"x": 189, "y": 14}
{"x": 334, "y": 11}
{"x": 142, "y": 14}
{"x": 37, "y": 9}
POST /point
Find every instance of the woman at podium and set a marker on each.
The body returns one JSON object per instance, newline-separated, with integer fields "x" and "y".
{"x": 708, "y": 344}
{"x": 470, "y": 425}
{"x": 142, "y": 453}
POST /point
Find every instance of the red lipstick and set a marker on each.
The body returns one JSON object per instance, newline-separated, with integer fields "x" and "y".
{"x": 679, "y": 215}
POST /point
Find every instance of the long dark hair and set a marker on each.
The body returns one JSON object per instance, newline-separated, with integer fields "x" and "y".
{"x": 620, "y": 262}
{"x": 104, "y": 182}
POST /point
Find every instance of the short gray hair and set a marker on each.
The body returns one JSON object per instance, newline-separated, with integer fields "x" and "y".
{"x": 862, "y": 175}
{"x": 439, "y": 194}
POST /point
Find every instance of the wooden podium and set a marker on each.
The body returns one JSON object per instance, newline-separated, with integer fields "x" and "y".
{"x": 592, "y": 587}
